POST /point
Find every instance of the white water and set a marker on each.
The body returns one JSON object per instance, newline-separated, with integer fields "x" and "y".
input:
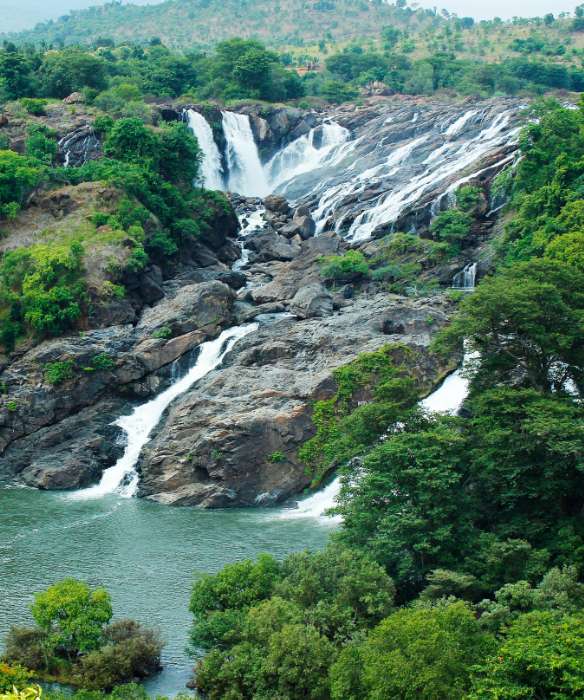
{"x": 212, "y": 168}
{"x": 390, "y": 206}
{"x": 466, "y": 278}
{"x": 254, "y": 221}
{"x": 246, "y": 173}
{"x": 457, "y": 126}
{"x": 122, "y": 478}
{"x": 306, "y": 153}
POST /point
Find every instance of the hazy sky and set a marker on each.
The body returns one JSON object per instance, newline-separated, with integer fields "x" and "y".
{"x": 20, "y": 14}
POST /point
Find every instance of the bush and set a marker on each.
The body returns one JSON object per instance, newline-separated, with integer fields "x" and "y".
{"x": 41, "y": 144}
{"x": 35, "y": 106}
{"x": 350, "y": 267}
{"x": 14, "y": 676}
{"x": 451, "y": 226}
{"x": 26, "y": 647}
{"x": 129, "y": 651}
{"x": 59, "y": 372}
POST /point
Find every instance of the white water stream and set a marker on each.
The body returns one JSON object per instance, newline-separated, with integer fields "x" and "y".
{"x": 123, "y": 478}
{"x": 246, "y": 173}
{"x": 211, "y": 167}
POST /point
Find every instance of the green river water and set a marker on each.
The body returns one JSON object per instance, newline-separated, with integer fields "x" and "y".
{"x": 146, "y": 555}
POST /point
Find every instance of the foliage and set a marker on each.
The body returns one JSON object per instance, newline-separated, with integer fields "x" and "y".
{"x": 41, "y": 289}
{"x": 349, "y": 267}
{"x": 59, "y": 372}
{"x": 424, "y": 653}
{"x": 541, "y": 656}
{"x": 35, "y": 106}
{"x": 282, "y": 637}
{"x": 452, "y": 227}
{"x": 41, "y": 144}
{"x": 343, "y": 428}
{"x": 525, "y": 322}
{"x": 73, "y": 641}
{"x": 19, "y": 175}
{"x": 13, "y": 676}
{"x": 72, "y": 616}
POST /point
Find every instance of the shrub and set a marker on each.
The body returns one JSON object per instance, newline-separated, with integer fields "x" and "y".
{"x": 14, "y": 676}
{"x": 102, "y": 362}
{"x": 35, "y": 106}
{"x": 164, "y": 333}
{"x": 349, "y": 267}
{"x": 129, "y": 651}
{"x": 59, "y": 372}
{"x": 41, "y": 144}
{"x": 26, "y": 647}
{"x": 451, "y": 226}
{"x": 276, "y": 457}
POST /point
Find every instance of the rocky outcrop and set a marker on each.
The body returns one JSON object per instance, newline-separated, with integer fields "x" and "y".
{"x": 233, "y": 439}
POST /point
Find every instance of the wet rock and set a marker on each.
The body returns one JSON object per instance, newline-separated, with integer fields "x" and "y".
{"x": 312, "y": 301}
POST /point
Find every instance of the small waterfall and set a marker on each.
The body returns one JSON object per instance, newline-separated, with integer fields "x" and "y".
{"x": 246, "y": 173}
{"x": 466, "y": 278}
{"x": 254, "y": 221}
{"x": 447, "y": 398}
{"x": 123, "y": 478}
{"x": 212, "y": 168}
{"x": 457, "y": 126}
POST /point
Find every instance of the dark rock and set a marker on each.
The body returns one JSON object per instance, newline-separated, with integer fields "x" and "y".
{"x": 235, "y": 280}
{"x": 268, "y": 245}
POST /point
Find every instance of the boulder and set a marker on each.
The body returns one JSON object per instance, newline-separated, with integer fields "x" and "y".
{"x": 277, "y": 204}
{"x": 312, "y": 301}
{"x": 196, "y": 306}
{"x": 268, "y": 245}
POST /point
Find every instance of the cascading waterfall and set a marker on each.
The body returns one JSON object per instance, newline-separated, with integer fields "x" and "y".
{"x": 389, "y": 206}
{"x": 123, "y": 478}
{"x": 212, "y": 168}
{"x": 246, "y": 174}
{"x": 250, "y": 222}
{"x": 305, "y": 153}
{"x": 466, "y": 278}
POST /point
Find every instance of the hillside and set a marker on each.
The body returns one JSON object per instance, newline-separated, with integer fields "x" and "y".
{"x": 186, "y": 23}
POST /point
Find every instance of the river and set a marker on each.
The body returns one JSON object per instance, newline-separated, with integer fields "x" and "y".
{"x": 146, "y": 555}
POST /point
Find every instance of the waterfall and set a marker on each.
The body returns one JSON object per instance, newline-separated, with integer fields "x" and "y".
{"x": 466, "y": 278}
{"x": 305, "y": 153}
{"x": 389, "y": 206}
{"x": 123, "y": 478}
{"x": 457, "y": 126}
{"x": 250, "y": 222}
{"x": 246, "y": 173}
{"x": 212, "y": 169}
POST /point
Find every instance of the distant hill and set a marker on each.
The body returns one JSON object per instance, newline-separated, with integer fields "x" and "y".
{"x": 187, "y": 23}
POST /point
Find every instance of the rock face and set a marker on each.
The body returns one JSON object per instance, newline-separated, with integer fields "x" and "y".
{"x": 219, "y": 444}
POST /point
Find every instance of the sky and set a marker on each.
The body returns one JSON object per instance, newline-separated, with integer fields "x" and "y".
{"x": 23, "y": 14}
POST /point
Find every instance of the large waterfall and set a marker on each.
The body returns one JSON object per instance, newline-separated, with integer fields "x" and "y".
{"x": 211, "y": 166}
{"x": 246, "y": 173}
{"x": 138, "y": 426}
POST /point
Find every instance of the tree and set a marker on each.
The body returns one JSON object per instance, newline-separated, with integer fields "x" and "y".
{"x": 15, "y": 73}
{"x": 421, "y": 653}
{"x": 70, "y": 70}
{"x": 19, "y": 175}
{"x": 541, "y": 656}
{"x": 179, "y": 155}
{"x": 132, "y": 142}
{"x": 526, "y": 324}
{"x": 408, "y": 506}
{"x": 452, "y": 227}
{"x": 72, "y": 615}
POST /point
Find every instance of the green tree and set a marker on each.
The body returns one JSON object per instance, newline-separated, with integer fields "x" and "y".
{"x": 526, "y": 323}
{"x": 541, "y": 656}
{"x": 424, "y": 653}
{"x": 70, "y": 70}
{"x": 72, "y": 615}
{"x": 132, "y": 142}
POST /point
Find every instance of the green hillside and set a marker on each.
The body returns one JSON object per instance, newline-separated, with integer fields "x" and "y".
{"x": 185, "y": 23}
